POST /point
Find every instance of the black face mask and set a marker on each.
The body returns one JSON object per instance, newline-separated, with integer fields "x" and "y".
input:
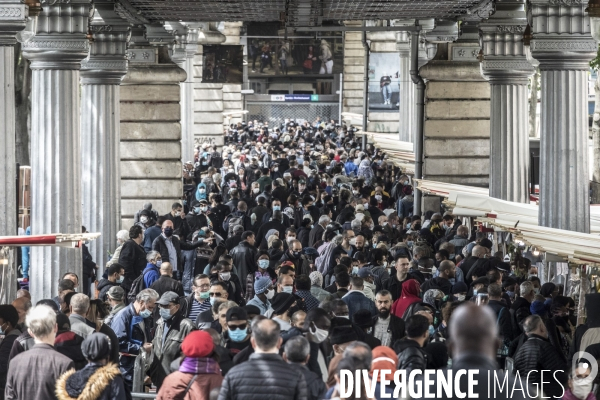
{"x": 293, "y": 310}
{"x": 296, "y": 254}
{"x": 168, "y": 232}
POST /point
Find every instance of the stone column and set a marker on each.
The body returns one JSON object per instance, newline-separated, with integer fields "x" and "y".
{"x": 563, "y": 45}
{"x": 55, "y": 54}
{"x": 182, "y": 53}
{"x": 13, "y": 17}
{"x": 407, "y": 90}
{"x": 506, "y": 67}
{"x": 101, "y": 74}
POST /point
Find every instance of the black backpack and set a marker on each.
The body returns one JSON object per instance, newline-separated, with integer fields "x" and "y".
{"x": 137, "y": 286}
{"x": 216, "y": 160}
{"x": 233, "y": 221}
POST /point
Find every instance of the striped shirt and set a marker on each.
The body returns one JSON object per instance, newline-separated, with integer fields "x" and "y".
{"x": 197, "y": 308}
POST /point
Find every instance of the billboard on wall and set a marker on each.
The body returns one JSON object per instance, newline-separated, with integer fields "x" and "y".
{"x": 384, "y": 70}
{"x": 222, "y": 64}
{"x": 271, "y": 54}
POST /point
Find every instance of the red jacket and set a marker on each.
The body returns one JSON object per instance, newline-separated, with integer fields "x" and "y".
{"x": 175, "y": 384}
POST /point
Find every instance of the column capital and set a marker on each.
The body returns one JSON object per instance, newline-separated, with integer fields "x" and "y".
{"x": 561, "y": 34}
{"x": 107, "y": 62}
{"x": 61, "y": 39}
{"x": 505, "y": 56}
{"x": 186, "y": 41}
{"x": 13, "y": 18}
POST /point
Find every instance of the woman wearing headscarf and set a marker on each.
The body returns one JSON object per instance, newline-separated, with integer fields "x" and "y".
{"x": 198, "y": 373}
{"x": 410, "y": 295}
{"x": 365, "y": 172}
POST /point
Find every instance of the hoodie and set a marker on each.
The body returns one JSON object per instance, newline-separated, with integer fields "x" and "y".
{"x": 103, "y": 287}
{"x": 151, "y": 274}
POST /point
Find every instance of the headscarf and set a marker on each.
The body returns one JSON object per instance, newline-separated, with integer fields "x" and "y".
{"x": 432, "y": 295}
{"x": 271, "y": 232}
{"x": 410, "y": 295}
{"x": 365, "y": 171}
{"x": 201, "y": 196}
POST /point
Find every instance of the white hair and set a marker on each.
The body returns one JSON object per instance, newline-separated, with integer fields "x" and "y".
{"x": 123, "y": 235}
{"x": 324, "y": 219}
{"x": 526, "y": 288}
{"x": 146, "y": 295}
{"x": 355, "y": 224}
{"x": 151, "y": 255}
{"x": 337, "y": 239}
{"x": 80, "y": 303}
{"x": 41, "y": 321}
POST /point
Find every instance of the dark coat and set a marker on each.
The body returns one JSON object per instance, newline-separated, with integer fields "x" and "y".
{"x": 21, "y": 383}
{"x": 410, "y": 355}
{"x": 266, "y": 227}
{"x": 160, "y": 245}
{"x": 167, "y": 284}
{"x": 104, "y": 286}
{"x": 233, "y": 241}
{"x": 313, "y": 361}
{"x": 107, "y": 385}
{"x": 262, "y": 377}
{"x": 439, "y": 283}
{"x": 503, "y": 316}
{"x": 396, "y": 327}
{"x": 315, "y": 235}
{"x": 519, "y": 310}
{"x": 244, "y": 259}
{"x": 5, "y": 348}
{"x": 314, "y": 383}
{"x": 217, "y": 216}
{"x": 538, "y": 354}
{"x": 68, "y": 344}
{"x": 358, "y": 301}
{"x": 133, "y": 260}
{"x": 301, "y": 264}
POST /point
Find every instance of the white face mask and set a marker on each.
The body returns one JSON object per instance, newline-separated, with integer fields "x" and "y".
{"x": 143, "y": 219}
{"x": 461, "y": 297}
{"x": 582, "y": 388}
{"x": 319, "y": 334}
{"x": 256, "y": 190}
{"x": 270, "y": 294}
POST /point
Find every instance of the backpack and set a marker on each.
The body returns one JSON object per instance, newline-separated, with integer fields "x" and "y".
{"x": 216, "y": 160}
{"x": 137, "y": 286}
{"x": 233, "y": 221}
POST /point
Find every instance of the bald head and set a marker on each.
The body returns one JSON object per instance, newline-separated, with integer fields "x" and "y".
{"x": 479, "y": 251}
{"x": 473, "y": 329}
{"x": 166, "y": 269}
{"x": 22, "y": 304}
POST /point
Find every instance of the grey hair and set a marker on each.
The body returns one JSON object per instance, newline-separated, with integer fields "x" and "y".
{"x": 146, "y": 295}
{"x": 226, "y": 305}
{"x": 297, "y": 349}
{"x": 360, "y": 353}
{"x": 80, "y": 303}
{"x": 324, "y": 219}
{"x": 41, "y": 321}
{"x": 355, "y": 224}
{"x": 531, "y": 323}
{"x": 526, "y": 288}
{"x": 123, "y": 235}
{"x": 338, "y": 239}
{"x": 151, "y": 255}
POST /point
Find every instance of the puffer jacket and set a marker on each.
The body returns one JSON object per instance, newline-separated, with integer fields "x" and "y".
{"x": 410, "y": 355}
{"x": 538, "y": 354}
{"x": 169, "y": 349}
{"x": 94, "y": 382}
{"x": 263, "y": 376}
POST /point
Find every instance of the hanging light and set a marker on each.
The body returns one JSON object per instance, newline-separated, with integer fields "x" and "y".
{"x": 593, "y": 10}
{"x": 535, "y": 252}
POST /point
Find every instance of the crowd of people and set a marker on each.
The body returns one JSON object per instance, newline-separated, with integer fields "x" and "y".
{"x": 293, "y": 254}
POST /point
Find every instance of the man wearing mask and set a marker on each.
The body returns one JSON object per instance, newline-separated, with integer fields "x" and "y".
{"x": 218, "y": 213}
{"x": 284, "y": 306}
{"x": 316, "y": 233}
{"x": 199, "y": 300}
{"x": 223, "y": 273}
{"x": 294, "y": 255}
{"x": 244, "y": 255}
{"x": 276, "y": 206}
{"x": 236, "y": 335}
{"x": 146, "y": 219}
{"x": 177, "y": 217}
{"x": 133, "y": 256}
{"x": 132, "y": 327}
{"x": 169, "y": 247}
{"x": 276, "y": 223}
{"x": 198, "y": 217}
{"x": 171, "y": 328}
{"x": 263, "y": 292}
{"x": 115, "y": 275}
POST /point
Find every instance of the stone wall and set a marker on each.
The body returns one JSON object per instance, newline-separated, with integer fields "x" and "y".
{"x": 354, "y": 60}
{"x": 457, "y": 119}
{"x": 150, "y": 138}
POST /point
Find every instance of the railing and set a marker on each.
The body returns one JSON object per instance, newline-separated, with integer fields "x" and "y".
{"x": 143, "y": 395}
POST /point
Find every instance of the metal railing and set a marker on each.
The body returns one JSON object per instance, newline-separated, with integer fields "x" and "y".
{"x": 143, "y": 395}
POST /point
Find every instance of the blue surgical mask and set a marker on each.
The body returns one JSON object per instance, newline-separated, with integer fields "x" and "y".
{"x": 121, "y": 278}
{"x": 158, "y": 263}
{"x": 263, "y": 264}
{"x": 374, "y": 245}
{"x": 165, "y": 313}
{"x": 431, "y": 330}
{"x": 276, "y": 208}
{"x": 197, "y": 210}
{"x": 354, "y": 270}
{"x": 238, "y": 335}
{"x": 212, "y": 300}
{"x": 145, "y": 313}
{"x": 410, "y": 243}
{"x": 510, "y": 294}
{"x": 287, "y": 289}
{"x": 408, "y": 226}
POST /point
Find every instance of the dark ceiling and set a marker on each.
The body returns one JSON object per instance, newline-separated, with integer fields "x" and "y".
{"x": 305, "y": 12}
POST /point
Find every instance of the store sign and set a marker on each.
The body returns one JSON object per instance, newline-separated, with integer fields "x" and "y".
{"x": 295, "y": 97}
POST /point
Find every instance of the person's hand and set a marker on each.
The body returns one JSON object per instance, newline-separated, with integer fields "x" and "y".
{"x": 147, "y": 347}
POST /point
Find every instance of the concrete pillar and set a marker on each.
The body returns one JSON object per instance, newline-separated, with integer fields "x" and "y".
{"x": 150, "y": 135}
{"x": 233, "y": 104}
{"x": 182, "y": 53}
{"x": 507, "y": 68}
{"x": 13, "y": 16}
{"x": 457, "y": 113}
{"x": 55, "y": 54}
{"x": 353, "y": 96}
{"x": 563, "y": 45}
{"x": 101, "y": 74}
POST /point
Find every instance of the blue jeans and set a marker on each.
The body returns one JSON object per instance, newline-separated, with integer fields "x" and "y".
{"x": 189, "y": 263}
{"x": 386, "y": 91}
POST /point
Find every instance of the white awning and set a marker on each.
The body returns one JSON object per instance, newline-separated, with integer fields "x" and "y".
{"x": 401, "y": 154}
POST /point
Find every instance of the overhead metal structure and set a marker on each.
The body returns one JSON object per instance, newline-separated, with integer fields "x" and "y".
{"x": 304, "y": 12}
